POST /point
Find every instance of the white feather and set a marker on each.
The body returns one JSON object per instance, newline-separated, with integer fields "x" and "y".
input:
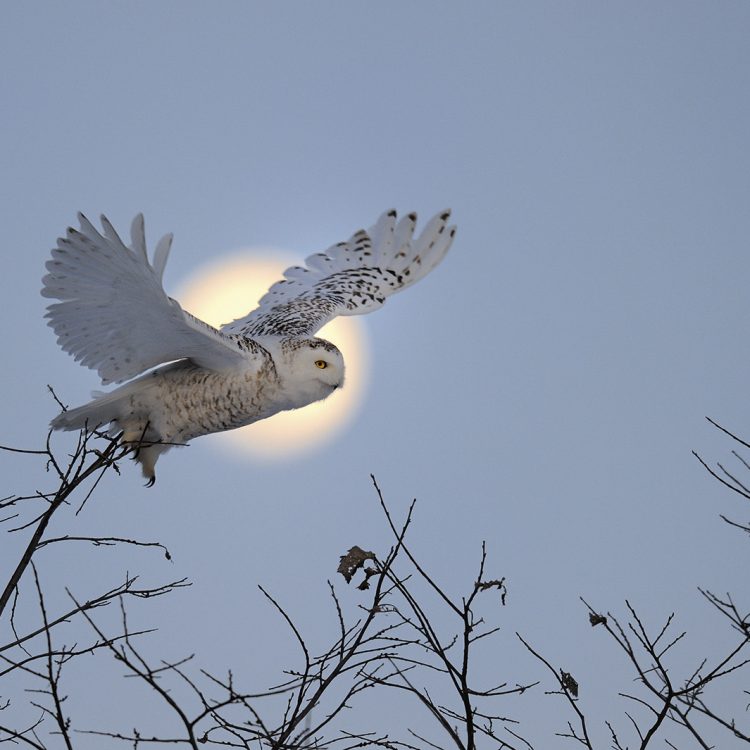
{"x": 350, "y": 278}
{"x": 113, "y": 314}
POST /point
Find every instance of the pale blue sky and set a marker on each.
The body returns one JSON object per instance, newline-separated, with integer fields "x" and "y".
{"x": 541, "y": 390}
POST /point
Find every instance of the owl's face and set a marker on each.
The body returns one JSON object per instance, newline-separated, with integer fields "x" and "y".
{"x": 313, "y": 369}
{"x": 322, "y": 361}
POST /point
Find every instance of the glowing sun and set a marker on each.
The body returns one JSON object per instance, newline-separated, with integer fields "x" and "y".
{"x": 228, "y": 289}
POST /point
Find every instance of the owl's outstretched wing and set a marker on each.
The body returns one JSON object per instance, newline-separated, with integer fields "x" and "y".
{"x": 114, "y": 315}
{"x": 350, "y": 278}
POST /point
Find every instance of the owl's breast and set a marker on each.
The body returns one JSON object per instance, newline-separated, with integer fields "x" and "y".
{"x": 187, "y": 401}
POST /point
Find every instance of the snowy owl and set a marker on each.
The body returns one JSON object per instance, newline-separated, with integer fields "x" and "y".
{"x": 114, "y": 316}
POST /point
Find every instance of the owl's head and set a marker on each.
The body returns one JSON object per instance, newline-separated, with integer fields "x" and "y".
{"x": 314, "y": 368}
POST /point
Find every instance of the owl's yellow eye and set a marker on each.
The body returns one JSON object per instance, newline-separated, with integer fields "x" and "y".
{"x": 321, "y": 364}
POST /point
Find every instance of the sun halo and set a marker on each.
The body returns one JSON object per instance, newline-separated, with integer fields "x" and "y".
{"x": 229, "y": 288}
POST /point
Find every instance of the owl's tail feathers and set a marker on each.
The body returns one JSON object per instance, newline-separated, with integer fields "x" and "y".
{"x": 111, "y": 409}
{"x": 104, "y": 409}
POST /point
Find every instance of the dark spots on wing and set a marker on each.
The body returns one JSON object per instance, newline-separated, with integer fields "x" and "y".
{"x": 299, "y": 306}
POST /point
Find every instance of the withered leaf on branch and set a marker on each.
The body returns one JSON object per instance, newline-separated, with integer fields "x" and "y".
{"x": 596, "y": 619}
{"x": 352, "y": 561}
{"x": 569, "y": 683}
{"x": 498, "y": 584}
{"x": 369, "y": 573}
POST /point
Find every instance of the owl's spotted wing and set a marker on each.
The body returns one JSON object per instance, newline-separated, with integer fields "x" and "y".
{"x": 350, "y": 278}
{"x": 114, "y": 315}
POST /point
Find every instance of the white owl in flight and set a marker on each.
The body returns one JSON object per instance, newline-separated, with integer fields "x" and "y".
{"x": 114, "y": 316}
